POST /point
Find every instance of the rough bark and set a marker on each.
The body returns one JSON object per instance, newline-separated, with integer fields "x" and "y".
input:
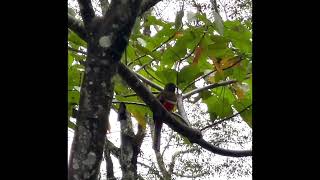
{"x": 165, "y": 174}
{"x": 127, "y": 156}
{"x": 107, "y": 38}
{"x": 109, "y": 163}
{"x": 130, "y": 145}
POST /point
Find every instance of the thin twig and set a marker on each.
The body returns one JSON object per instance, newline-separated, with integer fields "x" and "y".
{"x": 130, "y": 95}
{"x": 211, "y": 86}
{"x": 205, "y": 75}
{"x": 130, "y": 102}
{"x": 172, "y": 36}
{"x": 227, "y": 118}
{"x": 75, "y": 50}
{"x": 152, "y": 84}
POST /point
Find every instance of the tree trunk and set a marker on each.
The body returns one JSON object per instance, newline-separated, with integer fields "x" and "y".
{"x": 128, "y": 155}
{"x": 94, "y": 107}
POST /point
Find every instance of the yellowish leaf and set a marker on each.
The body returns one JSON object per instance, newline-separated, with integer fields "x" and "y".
{"x": 178, "y": 34}
{"x": 227, "y": 62}
{"x": 140, "y": 118}
{"x": 197, "y": 52}
{"x": 216, "y": 64}
{"x": 239, "y": 91}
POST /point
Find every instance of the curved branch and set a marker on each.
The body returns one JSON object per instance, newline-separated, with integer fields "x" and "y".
{"x": 154, "y": 171}
{"x": 221, "y": 151}
{"x": 181, "y": 110}
{"x": 178, "y": 153}
{"x": 211, "y": 86}
{"x": 146, "y": 5}
{"x": 86, "y": 11}
{"x": 113, "y": 149}
{"x": 77, "y": 26}
{"x": 193, "y": 135}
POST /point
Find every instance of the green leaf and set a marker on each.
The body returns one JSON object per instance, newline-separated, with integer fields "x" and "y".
{"x": 246, "y": 115}
{"x": 167, "y": 75}
{"x": 205, "y": 94}
{"x": 70, "y": 59}
{"x": 189, "y": 73}
{"x": 169, "y": 57}
{"x": 203, "y": 18}
{"x": 74, "y": 76}
{"x": 240, "y": 35}
{"x": 178, "y": 20}
{"x": 144, "y": 50}
{"x": 218, "y": 23}
{"x": 120, "y": 87}
{"x": 75, "y": 41}
{"x": 73, "y": 97}
{"x": 152, "y": 20}
{"x": 71, "y": 125}
{"x": 218, "y": 106}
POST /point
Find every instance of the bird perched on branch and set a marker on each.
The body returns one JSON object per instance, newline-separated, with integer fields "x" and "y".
{"x": 168, "y": 99}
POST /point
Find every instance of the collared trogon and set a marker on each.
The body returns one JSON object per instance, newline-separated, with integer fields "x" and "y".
{"x": 168, "y": 99}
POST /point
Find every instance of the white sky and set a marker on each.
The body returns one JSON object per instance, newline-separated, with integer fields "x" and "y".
{"x": 168, "y": 14}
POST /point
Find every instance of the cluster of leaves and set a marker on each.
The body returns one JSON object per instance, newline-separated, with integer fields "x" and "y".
{"x": 181, "y": 55}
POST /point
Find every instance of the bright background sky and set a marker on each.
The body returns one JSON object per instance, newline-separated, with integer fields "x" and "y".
{"x": 168, "y": 13}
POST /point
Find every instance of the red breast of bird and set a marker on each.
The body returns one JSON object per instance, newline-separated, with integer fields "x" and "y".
{"x": 169, "y": 105}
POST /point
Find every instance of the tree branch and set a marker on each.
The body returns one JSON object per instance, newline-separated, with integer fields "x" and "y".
{"x": 178, "y": 153}
{"x": 205, "y": 75}
{"x": 218, "y": 122}
{"x": 172, "y": 36}
{"x": 104, "y": 4}
{"x": 109, "y": 164}
{"x": 146, "y": 5}
{"x": 78, "y": 51}
{"x": 211, "y": 86}
{"x": 190, "y": 176}
{"x": 86, "y": 11}
{"x": 129, "y": 102}
{"x": 193, "y": 135}
{"x": 181, "y": 110}
{"x": 223, "y": 152}
{"x": 140, "y": 177}
{"x": 140, "y": 136}
{"x": 113, "y": 149}
{"x": 147, "y": 81}
{"x": 154, "y": 171}
{"x": 77, "y": 26}
{"x": 168, "y": 143}
{"x": 134, "y": 94}
{"x": 159, "y": 158}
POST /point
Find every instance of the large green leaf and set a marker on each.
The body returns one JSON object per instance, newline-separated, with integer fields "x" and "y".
{"x": 218, "y": 106}
{"x": 167, "y": 75}
{"x": 189, "y": 73}
{"x": 240, "y": 35}
{"x": 241, "y": 105}
{"x": 75, "y": 41}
